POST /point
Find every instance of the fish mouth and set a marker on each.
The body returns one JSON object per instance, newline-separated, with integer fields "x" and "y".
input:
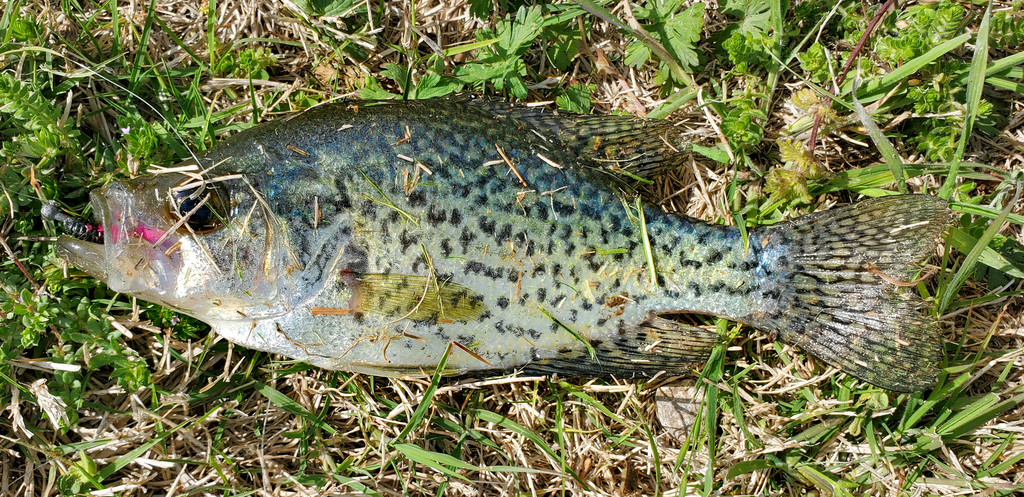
{"x": 86, "y": 255}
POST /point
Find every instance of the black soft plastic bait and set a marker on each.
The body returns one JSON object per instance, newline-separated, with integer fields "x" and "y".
{"x": 74, "y": 226}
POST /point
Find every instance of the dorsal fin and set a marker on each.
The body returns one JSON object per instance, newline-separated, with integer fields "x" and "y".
{"x": 641, "y": 352}
{"x": 640, "y": 147}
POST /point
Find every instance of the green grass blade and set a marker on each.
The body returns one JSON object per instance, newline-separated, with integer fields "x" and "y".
{"x": 288, "y": 405}
{"x": 980, "y": 412}
{"x": 963, "y": 241}
{"x": 508, "y": 424}
{"x": 1005, "y": 63}
{"x": 949, "y": 291}
{"x": 985, "y": 211}
{"x": 892, "y": 158}
{"x": 975, "y": 83}
{"x": 428, "y": 396}
{"x": 590, "y": 401}
{"x": 435, "y": 460}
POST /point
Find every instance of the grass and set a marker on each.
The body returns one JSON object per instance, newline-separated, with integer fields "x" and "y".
{"x": 103, "y": 392}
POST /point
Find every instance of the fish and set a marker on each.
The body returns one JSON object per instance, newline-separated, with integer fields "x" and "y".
{"x": 382, "y": 237}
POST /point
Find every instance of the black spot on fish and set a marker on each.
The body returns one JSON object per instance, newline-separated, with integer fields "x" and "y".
{"x": 715, "y": 257}
{"x": 505, "y": 233}
{"x": 534, "y": 334}
{"x": 690, "y": 263}
{"x": 456, "y": 218}
{"x": 586, "y": 305}
{"x": 703, "y": 236}
{"x": 480, "y": 200}
{"x": 417, "y": 198}
{"x": 446, "y": 247}
{"x": 717, "y": 287}
{"x": 493, "y": 273}
{"x": 416, "y": 263}
{"x": 475, "y": 267}
{"x": 556, "y": 270}
{"x": 524, "y": 299}
{"x": 696, "y": 289}
{"x": 538, "y": 269}
{"x": 368, "y": 210}
{"x": 356, "y": 259}
{"x": 436, "y": 215}
{"x": 563, "y": 209}
{"x": 604, "y": 235}
{"x": 406, "y": 239}
{"x": 465, "y": 239}
{"x": 487, "y": 226}
{"x": 558, "y": 299}
{"x": 341, "y": 200}
{"x": 513, "y": 275}
{"x": 589, "y": 210}
{"x": 530, "y": 250}
{"x": 541, "y": 294}
{"x": 503, "y": 302}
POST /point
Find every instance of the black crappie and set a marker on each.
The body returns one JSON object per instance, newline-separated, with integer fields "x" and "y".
{"x": 371, "y": 236}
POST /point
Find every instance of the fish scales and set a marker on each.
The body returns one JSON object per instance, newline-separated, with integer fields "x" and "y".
{"x": 531, "y": 251}
{"x": 373, "y": 236}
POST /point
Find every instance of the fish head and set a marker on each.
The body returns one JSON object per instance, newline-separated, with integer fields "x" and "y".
{"x": 203, "y": 246}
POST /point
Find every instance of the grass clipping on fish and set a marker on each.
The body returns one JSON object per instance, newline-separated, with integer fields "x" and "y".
{"x": 225, "y": 421}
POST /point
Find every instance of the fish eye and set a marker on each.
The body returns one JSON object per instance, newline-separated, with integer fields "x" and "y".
{"x": 201, "y": 206}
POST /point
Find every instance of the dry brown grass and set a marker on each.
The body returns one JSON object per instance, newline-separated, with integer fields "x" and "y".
{"x": 243, "y": 444}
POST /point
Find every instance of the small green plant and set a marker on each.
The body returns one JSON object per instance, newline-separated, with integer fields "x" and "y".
{"x": 500, "y": 63}
{"x": 676, "y": 28}
{"x": 747, "y": 41}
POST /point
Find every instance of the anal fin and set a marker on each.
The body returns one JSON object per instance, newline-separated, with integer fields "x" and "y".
{"x": 657, "y": 345}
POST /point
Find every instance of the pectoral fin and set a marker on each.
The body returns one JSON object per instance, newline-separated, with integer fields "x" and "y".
{"x": 417, "y": 298}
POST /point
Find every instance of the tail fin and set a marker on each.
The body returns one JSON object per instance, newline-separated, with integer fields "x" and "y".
{"x": 840, "y": 297}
